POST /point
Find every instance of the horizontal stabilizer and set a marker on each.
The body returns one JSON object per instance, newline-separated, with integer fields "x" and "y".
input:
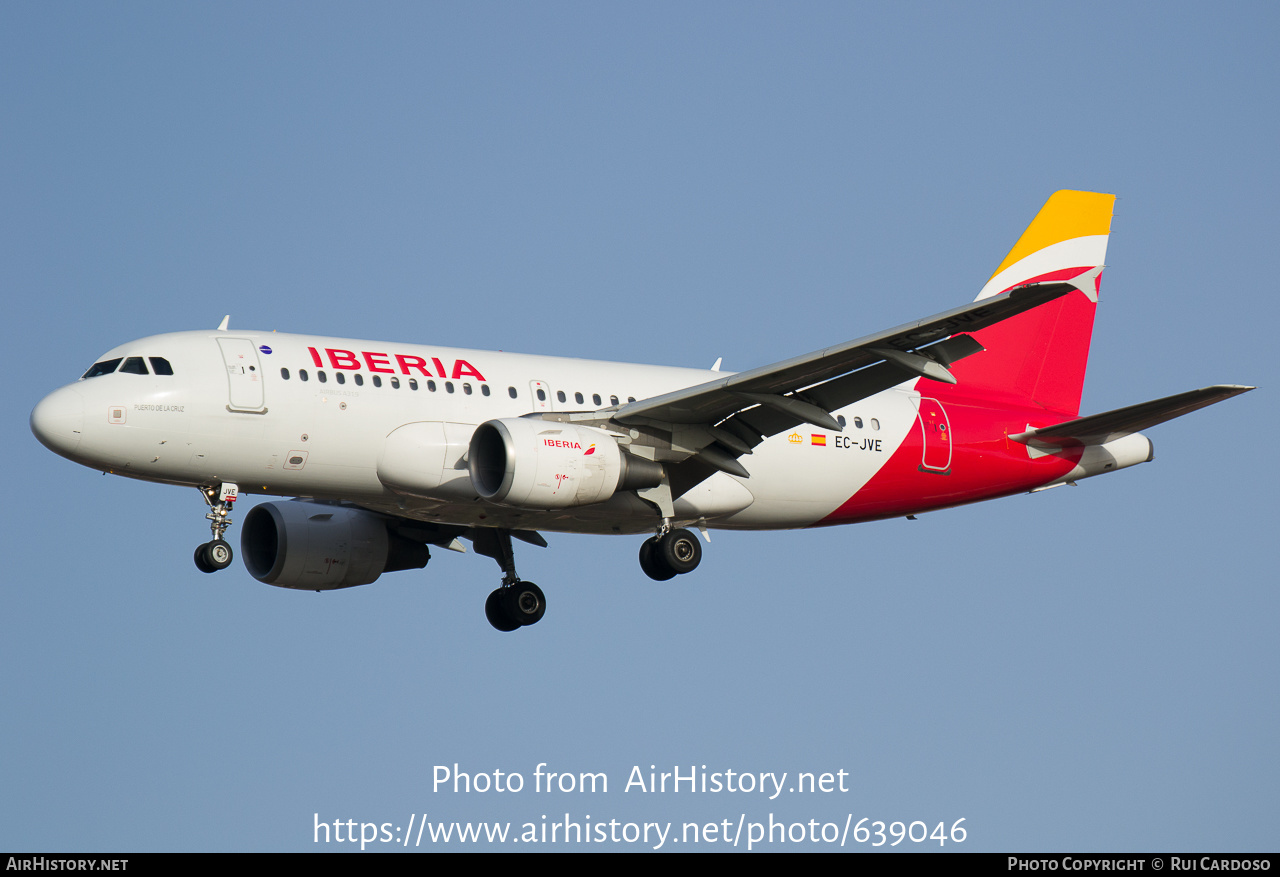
{"x": 1098, "y": 429}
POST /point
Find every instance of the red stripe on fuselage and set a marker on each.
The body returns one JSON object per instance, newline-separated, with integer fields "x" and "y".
{"x": 984, "y": 463}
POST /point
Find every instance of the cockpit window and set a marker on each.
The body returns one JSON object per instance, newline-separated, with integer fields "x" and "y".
{"x": 134, "y": 366}
{"x": 106, "y": 367}
{"x": 160, "y": 365}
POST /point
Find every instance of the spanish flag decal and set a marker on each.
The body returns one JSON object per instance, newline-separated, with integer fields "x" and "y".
{"x": 819, "y": 440}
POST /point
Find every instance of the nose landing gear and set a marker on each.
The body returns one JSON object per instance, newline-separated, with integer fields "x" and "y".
{"x": 216, "y": 555}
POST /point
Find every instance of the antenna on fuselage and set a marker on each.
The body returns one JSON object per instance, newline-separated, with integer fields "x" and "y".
{"x": 222, "y": 327}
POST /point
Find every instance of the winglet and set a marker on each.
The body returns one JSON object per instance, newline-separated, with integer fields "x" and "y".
{"x": 1069, "y": 234}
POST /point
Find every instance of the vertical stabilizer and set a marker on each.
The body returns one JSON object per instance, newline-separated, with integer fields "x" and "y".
{"x": 1039, "y": 358}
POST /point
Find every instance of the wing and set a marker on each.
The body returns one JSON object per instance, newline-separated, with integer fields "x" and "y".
{"x": 723, "y": 419}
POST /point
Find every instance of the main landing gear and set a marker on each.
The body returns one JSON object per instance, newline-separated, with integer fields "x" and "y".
{"x": 216, "y": 555}
{"x": 670, "y": 554}
{"x": 516, "y": 603}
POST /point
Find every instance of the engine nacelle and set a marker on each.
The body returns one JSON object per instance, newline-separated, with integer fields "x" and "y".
{"x": 316, "y": 547}
{"x": 540, "y": 464}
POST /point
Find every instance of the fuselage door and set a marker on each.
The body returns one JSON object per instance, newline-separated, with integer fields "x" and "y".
{"x": 244, "y": 375}
{"x": 541, "y": 395}
{"x": 936, "y": 456}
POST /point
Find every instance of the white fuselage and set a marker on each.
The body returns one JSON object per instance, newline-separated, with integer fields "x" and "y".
{"x": 306, "y": 416}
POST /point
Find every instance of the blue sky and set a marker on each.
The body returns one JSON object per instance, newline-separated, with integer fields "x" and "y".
{"x": 1089, "y": 668}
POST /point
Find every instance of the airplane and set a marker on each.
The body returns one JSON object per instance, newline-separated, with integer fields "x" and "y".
{"x": 391, "y": 449}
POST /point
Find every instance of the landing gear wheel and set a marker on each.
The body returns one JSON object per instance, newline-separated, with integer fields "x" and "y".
{"x": 652, "y": 564}
{"x": 202, "y": 562}
{"x": 495, "y": 609}
{"x": 526, "y": 603}
{"x": 679, "y": 551}
{"x": 218, "y": 554}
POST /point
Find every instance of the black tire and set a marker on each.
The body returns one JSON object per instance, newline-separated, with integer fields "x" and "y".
{"x": 526, "y": 604}
{"x": 202, "y": 560}
{"x": 651, "y": 561}
{"x": 679, "y": 551}
{"x": 218, "y": 554}
{"x": 495, "y": 609}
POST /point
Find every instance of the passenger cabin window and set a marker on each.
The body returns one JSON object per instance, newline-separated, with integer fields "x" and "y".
{"x": 395, "y": 383}
{"x": 284, "y": 373}
{"x": 413, "y": 383}
{"x": 321, "y": 377}
{"x": 106, "y": 367}
{"x": 448, "y": 386}
{"x": 613, "y": 400}
{"x": 466, "y": 388}
{"x": 577, "y": 397}
{"x": 160, "y": 365}
{"x": 484, "y": 389}
{"x": 560, "y": 395}
{"x": 542, "y": 394}
{"x": 595, "y": 397}
{"x": 302, "y": 374}
{"x": 377, "y": 381}
{"x": 431, "y": 385}
{"x": 359, "y": 379}
{"x": 511, "y": 391}
{"x": 340, "y": 377}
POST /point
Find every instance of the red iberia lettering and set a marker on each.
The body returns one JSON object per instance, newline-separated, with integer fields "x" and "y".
{"x": 408, "y": 362}
{"x": 462, "y": 368}
{"x": 405, "y": 363}
{"x": 342, "y": 358}
{"x": 373, "y": 360}
{"x": 561, "y": 443}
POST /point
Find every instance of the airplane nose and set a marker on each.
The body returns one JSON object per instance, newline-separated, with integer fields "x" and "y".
{"x": 58, "y": 421}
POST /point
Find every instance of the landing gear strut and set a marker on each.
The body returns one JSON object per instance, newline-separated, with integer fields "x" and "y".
{"x": 216, "y": 555}
{"x": 670, "y": 554}
{"x": 516, "y": 603}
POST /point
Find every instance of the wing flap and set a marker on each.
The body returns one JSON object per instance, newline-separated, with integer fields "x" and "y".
{"x": 756, "y": 424}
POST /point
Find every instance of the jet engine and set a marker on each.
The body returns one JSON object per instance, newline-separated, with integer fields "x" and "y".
{"x": 540, "y": 464}
{"x": 316, "y": 547}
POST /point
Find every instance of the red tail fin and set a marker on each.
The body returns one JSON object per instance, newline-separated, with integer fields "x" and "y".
{"x": 1039, "y": 358}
